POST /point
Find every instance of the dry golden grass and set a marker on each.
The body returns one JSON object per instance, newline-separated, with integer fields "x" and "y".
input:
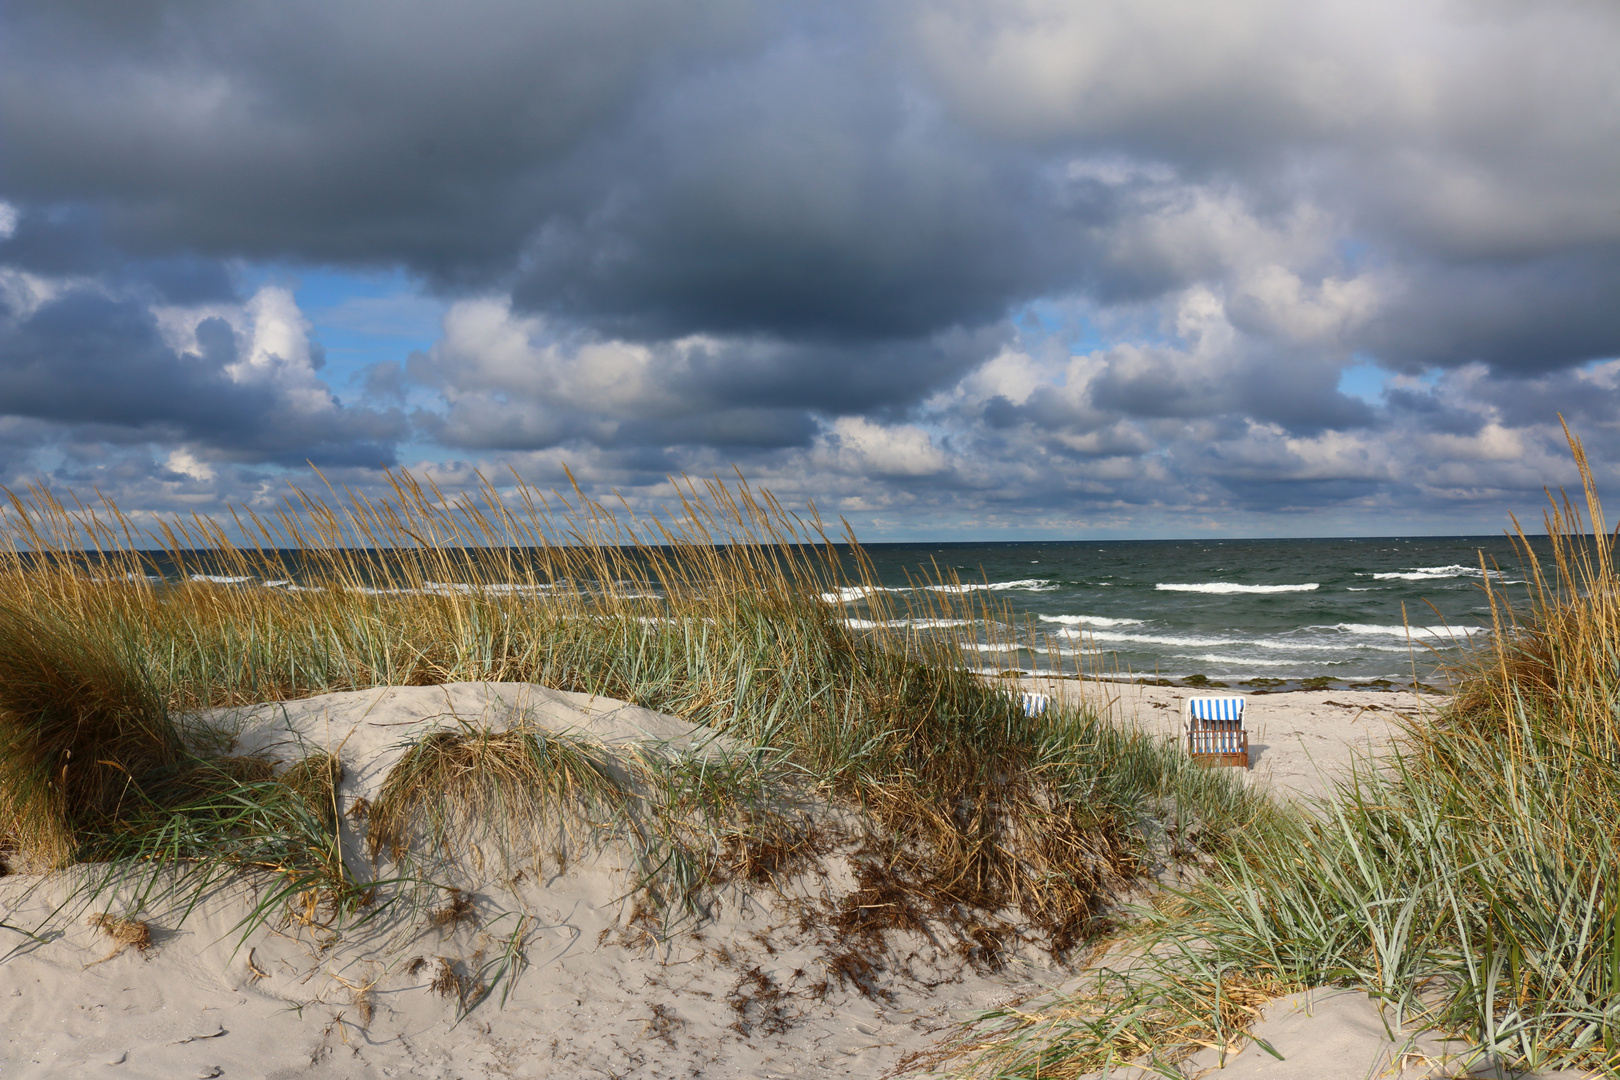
{"x": 1468, "y": 881}
{"x": 125, "y": 933}
{"x": 713, "y": 612}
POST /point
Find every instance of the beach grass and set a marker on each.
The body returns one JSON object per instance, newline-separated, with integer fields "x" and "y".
{"x": 116, "y": 637}
{"x": 1469, "y": 880}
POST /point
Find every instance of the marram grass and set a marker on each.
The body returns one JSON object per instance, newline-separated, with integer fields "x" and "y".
{"x": 1469, "y": 881}
{"x": 715, "y": 613}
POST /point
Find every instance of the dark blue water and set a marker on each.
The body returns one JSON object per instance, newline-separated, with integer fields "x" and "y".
{"x": 1235, "y": 611}
{"x": 1257, "y": 612}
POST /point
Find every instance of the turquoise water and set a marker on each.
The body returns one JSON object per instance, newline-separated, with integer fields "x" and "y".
{"x": 1229, "y": 610}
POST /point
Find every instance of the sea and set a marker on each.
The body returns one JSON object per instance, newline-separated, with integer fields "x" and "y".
{"x": 1264, "y": 614}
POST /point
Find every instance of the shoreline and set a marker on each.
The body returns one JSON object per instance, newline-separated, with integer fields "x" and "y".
{"x": 1300, "y": 741}
{"x": 1256, "y": 686}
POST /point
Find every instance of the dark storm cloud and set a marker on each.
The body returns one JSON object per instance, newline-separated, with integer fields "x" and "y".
{"x": 1520, "y": 316}
{"x": 830, "y": 173}
{"x": 71, "y": 241}
{"x": 99, "y": 365}
{"x": 800, "y": 234}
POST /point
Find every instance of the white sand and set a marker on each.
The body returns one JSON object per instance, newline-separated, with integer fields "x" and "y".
{"x": 1298, "y": 740}
{"x": 598, "y": 998}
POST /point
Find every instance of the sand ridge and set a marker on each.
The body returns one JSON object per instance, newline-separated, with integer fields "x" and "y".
{"x": 748, "y": 994}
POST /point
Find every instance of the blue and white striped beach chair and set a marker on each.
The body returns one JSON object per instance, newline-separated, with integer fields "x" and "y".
{"x": 1033, "y": 704}
{"x": 1215, "y": 731}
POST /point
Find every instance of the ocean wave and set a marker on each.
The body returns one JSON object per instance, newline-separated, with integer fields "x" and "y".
{"x": 219, "y": 579}
{"x": 848, "y": 594}
{"x": 1270, "y": 644}
{"x": 1288, "y": 645}
{"x": 1149, "y": 639}
{"x": 1223, "y": 588}
{"x": 914, "y": 624}
{"x": 460, "y": 588}
{"x": 1022, "y": 585}
{"x": 1434, "y": 573}
{"x": 1375, "y": 629}
{"x": 1341, "y": 646}
{"x": 1089, "y": 620}
{"x": 1212, "y": 658}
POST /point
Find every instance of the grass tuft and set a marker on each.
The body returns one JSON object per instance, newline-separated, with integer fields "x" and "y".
{"x": 1467, "y": 880}
{"x": 124, "y": 932}
{"x": 113, "y": 635}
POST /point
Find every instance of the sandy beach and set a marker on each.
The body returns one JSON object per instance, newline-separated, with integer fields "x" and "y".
{"x": 758, "y": 989}
{"x": 1299, "y": 740}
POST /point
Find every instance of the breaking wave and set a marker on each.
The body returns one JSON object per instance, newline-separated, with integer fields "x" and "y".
{"x": 1227, "y": 587}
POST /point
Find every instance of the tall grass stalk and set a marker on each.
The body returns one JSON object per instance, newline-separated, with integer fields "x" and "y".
{"x": 112, "y": 635}
{"x": 1469, "y": 880}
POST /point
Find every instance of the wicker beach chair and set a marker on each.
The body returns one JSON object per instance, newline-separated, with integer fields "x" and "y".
{"x": 1033, "y": 704}
{"x": 1215, "y": 731}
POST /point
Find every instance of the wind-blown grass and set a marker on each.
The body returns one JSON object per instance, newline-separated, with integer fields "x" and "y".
{"x": 1470, "y": 881}
{"x": 714, "y": 614}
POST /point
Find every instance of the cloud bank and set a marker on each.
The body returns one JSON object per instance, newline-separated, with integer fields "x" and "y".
{"x": 961, "y": 268}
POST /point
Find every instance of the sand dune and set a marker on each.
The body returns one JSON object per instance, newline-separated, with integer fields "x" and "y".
{"x": 762, "y": 987}
{"x": 757, "y": 990}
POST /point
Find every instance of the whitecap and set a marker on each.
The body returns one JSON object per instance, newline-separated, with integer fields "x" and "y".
{"x": 219, "y": 579}
{"x": 1212, "y": 658}
{"x": 850, "y": 593}
{"x": 1375, "y": 629}
{"x": 1023, "y": 585}
{"x": 1089, "y": 620}
{"x": 1227, "y": 587}
{"x": 1149, "y": 639}
{"x": 911, "y": 624}
{"x": 1431, "y": 573}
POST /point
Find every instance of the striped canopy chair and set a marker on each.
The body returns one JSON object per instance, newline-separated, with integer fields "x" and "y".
{"x": 1215, "y": 731}
{"x": 1033, "y": 704}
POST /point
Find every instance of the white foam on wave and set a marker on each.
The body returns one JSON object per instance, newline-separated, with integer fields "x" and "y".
{"x": 848, "y": 594}
{"x": 1223, "y": 588}
{"x": 1270, "y": 644}
{"x": 1148, "y": 639}
{"x": 461, "y": 588}
{"x": 1021, "y": 585}
{"x": 1436, "y": 573}
{"x": 1089, "y": 620}
{"x": 1374, "y": 629}
{"x": 1425, "y": 573}
{"x": 1213, "y": 658}
{"x": 1286, "y": 645}
{"x": 914, "y": 624}
{"x": 219, "y": 579}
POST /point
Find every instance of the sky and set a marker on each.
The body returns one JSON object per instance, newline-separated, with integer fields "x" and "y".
{"x": 955, "y": 269}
